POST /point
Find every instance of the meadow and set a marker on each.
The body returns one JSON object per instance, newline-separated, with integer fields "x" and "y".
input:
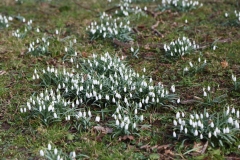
{"x": 119, "y": 79}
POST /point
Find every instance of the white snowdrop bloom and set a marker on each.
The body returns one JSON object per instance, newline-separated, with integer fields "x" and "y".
{"x": 212, "y": 124}
{"x": 208, "y": 88}
{"x": 66, "y": 49}
{"x": 201, "y": 116}
{"x": 197, "y": 116}
{"x": 132, "y": 49}
{"x": 237, "y": 114}
{"x": 178, "y": 100}
{"x": 177, "y": 115}
{"x": 183, "y": 115}
{"x": 38, "y": 30}
{"x": 224, "y": 130}
{"x": 141, "y": 118}
{"x": 173, "y": 88}
{"x": 180, "y": 121}
{"x": 209, "y": 135}
{"x": 49, "y": 146}
{"x": 191, "y": 116}
{"x": 207, "y": 115}
{"x": 214, "y": 47}
{"x": 21, "y": 110}
{"x": 144, "y": 69}
{"x": 204, "y": 93}
{"x": 135, "y": 111}
{"x": 126, "y": 126}
{"x": 174, "y": 134}
{"x": 175, "y": 122}
{"x": 24, "y": 110}
{"x": 55, "y": 115}
{"x": 55, "y": 151}
{"x": 195, "y": 133}
{"x": 201, "y": 136}
{"x": 117, "y": 122}
{"x": 97, "y": 118}
{"x": 89, "y": 113}
{"x": 227, "y": 130}
{"x": 234, "y": 78}
{"x": 73, "y": 154}
{"x": 236, "y": 124}
{"x": 190, "y": 63}
{"x": 190, "y": 122}
{"x": 215, "y": 133}
{"x": 226, "y": 14}
{"x": 230, "y": 120}
{"x": 41, "y": 153}
{"x": 185, "y": 130}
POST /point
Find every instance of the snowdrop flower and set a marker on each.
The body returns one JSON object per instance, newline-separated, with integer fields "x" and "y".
{"x": 212, "y": 124}
{"x": 226, "y": 14}
{"x": 204, "y": 93}
{"x": 201, "y": 136}
{"x": 132, "y": 49}
{"x": 186, "y": 21}
{"x": 214, "y": 47}
{"x": 208, "y": 88}
{"x": 49, "y": 146}
{"x": 74, "y": 154}
{"x": 175, "y": 122}
{"x": 178, "y": 100}
{"x": 190, "y": 63}
{"x": 173, "y": 88}
{"x": 97, "y": 118}
{"x": 207, "y": 115}
{"x": 209, "y": 135}
{"x": 230, "y": 120}
{"x": 141, "y": 118}
{"x": 234, "y": 78}
{"x": 174, "y": 134}
{"x": 144, "y": 69}
{"x": 41, "y": 153}
{"x": 177, "y": 115}
{"x": 55, "y": 151}
{"x": 195, "y": 133}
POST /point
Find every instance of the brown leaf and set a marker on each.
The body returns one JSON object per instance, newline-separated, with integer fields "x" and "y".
{"x": 103, "y": 130}
{"x": 169, "y": 152}
{"x": 126, "y": 137}
{"x": 2, "y": 72}
{"x": 224, "y": 64}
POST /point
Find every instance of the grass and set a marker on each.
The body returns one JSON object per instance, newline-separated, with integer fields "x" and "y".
{"x": 21, "y": 139}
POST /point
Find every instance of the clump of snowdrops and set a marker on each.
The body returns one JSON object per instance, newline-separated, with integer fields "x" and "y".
{"x": 53, "y": 153}
{"x": 180, "y": 5}
{"x": 100, "y": 81}
{"x": 4, "y": 21}
{"x": 218, "y": 128}
{"x": 180, "y": 47}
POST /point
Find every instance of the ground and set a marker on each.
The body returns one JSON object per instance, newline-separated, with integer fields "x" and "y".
{"x": 207, "y": 25}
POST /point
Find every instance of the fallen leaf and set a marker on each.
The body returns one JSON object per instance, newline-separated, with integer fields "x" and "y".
{"x": 2, "y": 72}
{"x": 126, "y": 137}
{"x": 224, "y": 64}
{"x": 104, "y": 130}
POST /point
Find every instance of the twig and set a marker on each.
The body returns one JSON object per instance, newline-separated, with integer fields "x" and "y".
{"x": 156, "y": 31}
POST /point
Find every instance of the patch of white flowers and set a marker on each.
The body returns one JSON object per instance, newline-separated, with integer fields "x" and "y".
{"x": 181, "y": 5}
{"x": 180, "y": 47}
{"x": 4, "y": 21}
{"x": 194, "y": 67}
{"x": 21, "y": 33}
{"x": 217, "y": 128}
{"x": 110, "y": 28}
{"x": 101, "y": 81}
{"x": 57, "y": 154}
